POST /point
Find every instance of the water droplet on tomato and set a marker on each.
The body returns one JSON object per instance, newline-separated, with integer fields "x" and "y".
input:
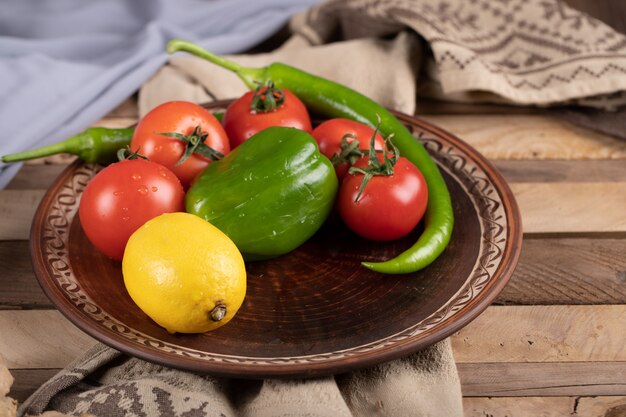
{"x": 162, "y": 173}
{"x": 126, "y": 218}
{"x": 125, "y": 209}
{"x": 158, "y": 148}
{"x": 136, "y": 177}
{"x": 116, "y": 193}
{"x": 143, "y": 190}
{"x": 154, "y": 189}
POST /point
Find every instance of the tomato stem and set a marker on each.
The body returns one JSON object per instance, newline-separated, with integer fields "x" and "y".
{"x": 194, "y": 143}
{"x": 267, "y": 98}
{"x": 127, "y": 153}
{"x": 375, "y": 166}
{"x": 349, "y": 151}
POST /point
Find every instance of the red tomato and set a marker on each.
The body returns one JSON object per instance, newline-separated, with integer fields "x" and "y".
{"x": 122, "y": 197}
{"x": 330, "y": 133}
{"x": 240, "y": 122}
{"x": 389, "y": 207}
{"x": 178, "y": 117}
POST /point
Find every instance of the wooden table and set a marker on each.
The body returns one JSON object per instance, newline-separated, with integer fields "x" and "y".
{"x": 553, "y": 343}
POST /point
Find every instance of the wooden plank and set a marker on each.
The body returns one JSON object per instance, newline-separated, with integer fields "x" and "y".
{"x": 18, "y": 286}
{"x": 17, "y": 210}
{"x": 545, "y": 407}
{"x": 430, "y": 106}
{"x": 501, "y": 334}
{"x": 530, "y": 137}
{"x": 568, "y": 271}
{"x": 41, "y": 176}
{"x": 35, "y": 177}
{"x": 116, "y": 122}
{"x": 499, "y": 137}
{"x": 515, "y": 381}
{"x": 550, "y": 271}
{"x": 602, "y": 170}
{"x": 571, "y": 207}
{"x": 544, "y": 334}
{"x": 28, "y": 381}
{"x": 542, "y": 379}
{"x": 545, "y": 207}
{"x": 40, "y": 339}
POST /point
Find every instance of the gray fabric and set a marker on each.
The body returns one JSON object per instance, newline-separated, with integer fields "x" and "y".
{"x": 66, "y": 63}
{"x": 104, "y": 382}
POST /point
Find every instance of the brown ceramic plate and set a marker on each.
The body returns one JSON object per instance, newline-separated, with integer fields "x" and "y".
{"x": 314, "y": 311}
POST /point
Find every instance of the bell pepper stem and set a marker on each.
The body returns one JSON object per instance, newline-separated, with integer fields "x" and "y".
{"x": 71, "y": 145}
{"x": 248, "y": 75}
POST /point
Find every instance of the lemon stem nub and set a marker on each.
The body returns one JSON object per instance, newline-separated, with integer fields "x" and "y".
{"x": 218, "y": 313}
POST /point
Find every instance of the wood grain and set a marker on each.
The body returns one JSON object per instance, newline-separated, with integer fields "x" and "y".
{"x": 545, "y": 406}
{"x": 530, "y": 137}
{"x": 601, "y": 170}
{"x": 528, "y": 334}
{"x": 545, "y": 208}
{"x": 550, "y": 271}
{"x": 544, "y": 334}
{"x": 497, "y": 136}
{"x": 117, "y": 122}
{"x": 425, "y": 106}
{"x": 505, "y": 380}
{"x": 18, "y": 286}
{"x": 542, "y": 379}
{"x": 17, "y": 210}
{"x": 28, "y": 380}
{"x": 571, "y": 207}
{"x": 568, "y": 271}
{"x": 35, "y": 177}
{"x": 41, "y": 176}
{"x": 40, "y": 339}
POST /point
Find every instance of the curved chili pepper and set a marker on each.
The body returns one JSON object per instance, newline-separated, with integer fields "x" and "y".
{"x": 331, "y": 99}
{"x": 93, "y": 145}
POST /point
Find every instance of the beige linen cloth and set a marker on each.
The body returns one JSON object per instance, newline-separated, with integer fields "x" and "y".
{"x": 537, "y": 52}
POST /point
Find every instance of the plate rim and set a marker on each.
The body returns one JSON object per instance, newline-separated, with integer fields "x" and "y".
{"x": 443, "y": 329}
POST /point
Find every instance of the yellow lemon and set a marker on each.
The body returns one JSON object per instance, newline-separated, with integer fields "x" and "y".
{"x": 184, "y": 273}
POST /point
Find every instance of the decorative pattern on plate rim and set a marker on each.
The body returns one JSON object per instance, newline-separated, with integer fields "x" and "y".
{"x": 473, "y": 179}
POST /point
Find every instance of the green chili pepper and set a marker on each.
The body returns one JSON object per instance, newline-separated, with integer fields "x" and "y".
{"x": 331, "y": 99}
{"x": 269, "y": 195}
{"x": 93, "y": 145}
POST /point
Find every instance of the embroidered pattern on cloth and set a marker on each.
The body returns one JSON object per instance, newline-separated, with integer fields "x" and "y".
{"x": 526, "y": 51}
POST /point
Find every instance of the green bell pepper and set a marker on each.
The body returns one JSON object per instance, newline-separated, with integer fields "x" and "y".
{"x": 269, "y": 195}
